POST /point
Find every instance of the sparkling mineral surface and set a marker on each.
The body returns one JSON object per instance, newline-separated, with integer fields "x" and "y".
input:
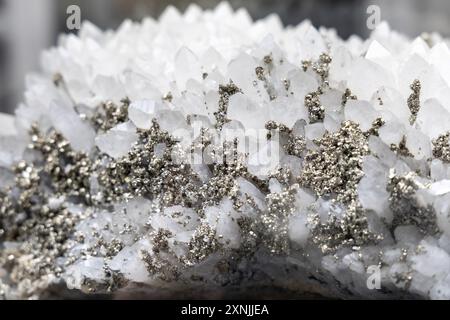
{"x": 207, "y": 154}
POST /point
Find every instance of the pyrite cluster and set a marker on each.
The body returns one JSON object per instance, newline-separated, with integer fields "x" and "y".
{"x": 184, "y": 154}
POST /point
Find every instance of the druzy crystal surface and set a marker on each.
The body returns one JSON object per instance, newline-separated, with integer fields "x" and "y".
{"x": 205, "y": 154}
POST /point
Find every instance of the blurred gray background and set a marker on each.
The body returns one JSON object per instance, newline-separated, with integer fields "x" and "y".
{"x": 28, "y": 26}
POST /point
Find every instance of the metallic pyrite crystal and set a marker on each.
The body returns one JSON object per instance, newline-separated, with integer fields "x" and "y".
{"x": 184, "y": 157}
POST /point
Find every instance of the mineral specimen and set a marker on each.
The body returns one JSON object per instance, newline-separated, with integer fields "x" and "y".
{"x": 186, "y": 153}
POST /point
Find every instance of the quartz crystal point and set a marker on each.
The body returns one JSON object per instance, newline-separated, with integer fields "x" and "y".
{"x": 184, "y": 155}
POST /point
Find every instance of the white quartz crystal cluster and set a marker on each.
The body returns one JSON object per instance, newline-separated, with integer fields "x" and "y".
{"x": 335, "y": 168}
